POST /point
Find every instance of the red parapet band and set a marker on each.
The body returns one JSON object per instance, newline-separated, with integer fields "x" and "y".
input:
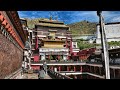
{"x": 4, "y": 22}
{"x": 7, "y": 26}
{"x": 9, "y": 29}
{"x": 1, "y": 17}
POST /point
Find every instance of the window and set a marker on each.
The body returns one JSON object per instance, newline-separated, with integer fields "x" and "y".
{"x": 7, "y": 34}
{"x": 2, "y": 27}
{"x": 49, "y": 37}
{"x": 39, "y": 32}
{"x": 3, "y": 31}
{"x": 64, "y": 45}
{"x": 74, "y": 46}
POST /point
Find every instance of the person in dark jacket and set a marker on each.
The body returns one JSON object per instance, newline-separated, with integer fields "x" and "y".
{"x": 45, "y": 67}
{"x": 41, "y": 74}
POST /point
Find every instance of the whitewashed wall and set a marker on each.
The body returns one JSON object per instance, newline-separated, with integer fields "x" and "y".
{"x": 112, "y": 33}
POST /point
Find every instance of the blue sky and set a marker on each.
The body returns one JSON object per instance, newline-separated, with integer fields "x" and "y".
{"x": 72, "y": 16}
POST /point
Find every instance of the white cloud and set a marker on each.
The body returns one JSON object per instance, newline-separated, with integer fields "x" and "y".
{"x": 115, "y": 19}
{"x": 72, "y": 16}
{"x": 86, "y": 15}
{"x": 111, "y": 16}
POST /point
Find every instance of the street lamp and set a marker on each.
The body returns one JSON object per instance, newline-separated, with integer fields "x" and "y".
{"x": 104, "y": 50}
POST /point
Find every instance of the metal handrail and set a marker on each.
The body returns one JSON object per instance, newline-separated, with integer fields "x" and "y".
{"x": 58, "y": 75}
{"x": 59, "y": 61}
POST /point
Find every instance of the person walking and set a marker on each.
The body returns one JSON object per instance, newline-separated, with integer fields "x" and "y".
{"x": 41, "y": 74}
{"x": 45, "y": 67}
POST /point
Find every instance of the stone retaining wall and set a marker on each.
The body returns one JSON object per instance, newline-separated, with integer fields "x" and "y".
{"x": 10, "y": 57}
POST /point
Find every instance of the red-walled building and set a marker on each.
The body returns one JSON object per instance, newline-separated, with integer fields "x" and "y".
{"x": 84, "y": 54}
{"x": 12, "y": 40}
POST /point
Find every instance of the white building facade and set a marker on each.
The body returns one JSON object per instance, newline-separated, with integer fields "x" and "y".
{"x": 112, "y": 31}
{"x": 49, "y": 51}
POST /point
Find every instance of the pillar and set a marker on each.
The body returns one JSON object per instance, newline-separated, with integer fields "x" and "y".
{"x": 81, "y": 76}
{"x": 43, "y": 57}
{"x": 52, "y": 68}
{"x": 74, "y": 68}
{"x": 75, "y": 77}
{"x": 114, "y": 73}
{"x": 68, "y": 57}
{"x": 59, "y": 68}
{"x": 83, "y": 57}
{"x": 68, "y": 68}
{"x": 59, "y": 57}
{"x": 90, "y": 69}
{"x": 39, "y": 57}
{"x": 94, "y": 69}
{"x": 64, "y": 57}
{"x": 55, "y": 69}
{"x": 100, "y": 70}
{"x": 39, "y": 67}
{"x": 87, "y": 76}
{"x": 80, "y": 68}
{"x": 49, "y": 57}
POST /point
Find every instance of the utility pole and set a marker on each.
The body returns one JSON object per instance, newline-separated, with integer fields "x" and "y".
{"x": 104, "y": 46}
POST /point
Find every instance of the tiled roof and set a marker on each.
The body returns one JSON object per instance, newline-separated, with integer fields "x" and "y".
{"x": 51, "y": 25}
{"x": 51, "y": 21}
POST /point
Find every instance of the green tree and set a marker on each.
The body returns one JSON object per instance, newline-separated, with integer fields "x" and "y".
{"x": 82, "y": 44}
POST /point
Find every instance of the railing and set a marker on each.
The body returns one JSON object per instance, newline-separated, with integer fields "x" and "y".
{"x": 56, "y": 75}
{"x": 111, "y": 63}
{"x": 47, "y": 61}
{"x": 14, "y": 74}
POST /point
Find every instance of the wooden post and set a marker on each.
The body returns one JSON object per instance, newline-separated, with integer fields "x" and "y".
{"x": 68, "y": 68}
{"x": 104, "y": 46}
{"x": 94, "y": 69}
{"x": 74, "y": 68}
{"x": 80, "y": 68}
{"x": 114, "y": 73}
{"x": 52, "y": 67}
{"x": 100, "y": 70}
{"x": 59, "y": 68}
{"x": 90, "y": 69}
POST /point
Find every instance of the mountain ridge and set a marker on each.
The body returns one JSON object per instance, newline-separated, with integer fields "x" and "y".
{"x": 83, "y": 27}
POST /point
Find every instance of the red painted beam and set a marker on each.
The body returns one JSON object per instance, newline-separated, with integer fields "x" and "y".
{"x": 9, "y": 29}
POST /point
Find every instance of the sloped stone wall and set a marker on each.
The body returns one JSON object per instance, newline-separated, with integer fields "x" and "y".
{"x": 10, "y": 57}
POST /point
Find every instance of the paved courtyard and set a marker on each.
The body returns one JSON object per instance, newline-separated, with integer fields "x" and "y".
{"x": 33, "y": 76}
